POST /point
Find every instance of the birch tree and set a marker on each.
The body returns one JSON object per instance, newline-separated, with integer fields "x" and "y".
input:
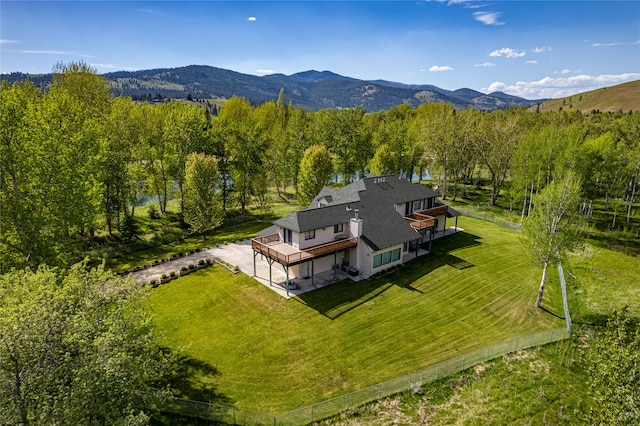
{"x": 549, "y": 232}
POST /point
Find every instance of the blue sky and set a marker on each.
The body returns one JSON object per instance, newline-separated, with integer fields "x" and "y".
{"x": 534, "y": 49}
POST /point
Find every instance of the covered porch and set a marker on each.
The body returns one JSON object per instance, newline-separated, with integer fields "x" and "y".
{"x": 286, "y": 255}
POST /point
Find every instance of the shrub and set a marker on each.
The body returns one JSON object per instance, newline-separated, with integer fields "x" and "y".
{"x": 201, "y": 262}
{"x": 197, "y": 250}
{"x": 236, "y": 268}
{"x": 208, "y": 261}
{"x": 172, "y": 274}
{"x": 152, "y": 282}
{"x": 164, "y": 276}
{"x": 153, "y": 213}
{"x": 192, "y": 266}
{"x": 184, "y": 268}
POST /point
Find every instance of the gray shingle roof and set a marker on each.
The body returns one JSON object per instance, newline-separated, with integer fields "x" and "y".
{"x": 374, "y": 198}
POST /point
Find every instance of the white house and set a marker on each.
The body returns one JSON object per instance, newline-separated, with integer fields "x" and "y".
{"x": 364, "y": 227}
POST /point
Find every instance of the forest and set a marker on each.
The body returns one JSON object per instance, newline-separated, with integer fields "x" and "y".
{"x": 75, "y": 161}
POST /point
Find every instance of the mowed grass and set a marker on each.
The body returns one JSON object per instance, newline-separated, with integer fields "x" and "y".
{"x": 273, "y": 355}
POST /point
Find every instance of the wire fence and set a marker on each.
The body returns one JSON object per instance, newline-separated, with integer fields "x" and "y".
{"x": 331, "y": 407}
{"x": 490, "y": 217}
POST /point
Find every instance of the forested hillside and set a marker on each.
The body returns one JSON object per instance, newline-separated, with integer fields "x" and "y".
{"x": 76, "y": 161}
{"x": 312, "y": 90}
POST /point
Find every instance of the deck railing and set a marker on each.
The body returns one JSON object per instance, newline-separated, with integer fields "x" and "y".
{"x": 262, "y": 245}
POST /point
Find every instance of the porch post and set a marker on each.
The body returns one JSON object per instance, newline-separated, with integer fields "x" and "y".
{"x": 456, "y": 223}
{"x": 254, "y": 262}
{"x": 312, "y": 283}
{"x": 430, "y": 239}
{"x": 417, "y": 247}
{"x": 286, "y": 269}
{"x": 270, "y": 262}
{"x": 335, "y": 270}
{"x": 444, "y": 230}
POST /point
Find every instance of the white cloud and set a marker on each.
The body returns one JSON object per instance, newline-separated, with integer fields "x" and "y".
{"x": 565, "y": 71}
{"x": 56, "y": 52}
{"x": 437, "y": 68}
{"x": 485, "y": 64}
{"x": 509, "y": 53}
{"x": 636, "y": 42}
{"x": 488, "y": 18}
{"x": 251, "y": 18}
{"x": 606, "y": 44}
{"x": 550, "y": 87}
{"x": 5, "y": 41}
{"x": 107, "y": 66}
{"x": 265, "y": 71}
{"x": 532, "y": 62}
{"x": 541, "y": 49}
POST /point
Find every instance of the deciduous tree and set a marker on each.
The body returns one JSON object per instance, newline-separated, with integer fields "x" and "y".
{"x": 613, "y": 363}
{"x": 78, "y": 347}
{"x": 315, "y": 172}
{"x": 548, "y": 233}
{"x": 202, "y": 206}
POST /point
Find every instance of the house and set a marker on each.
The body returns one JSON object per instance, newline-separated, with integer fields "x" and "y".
{"x": 363, "y": 228}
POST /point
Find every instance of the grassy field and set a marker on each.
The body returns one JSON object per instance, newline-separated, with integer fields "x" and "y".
{"x": 543, "y": 385}
{"x": 251, "y": 348}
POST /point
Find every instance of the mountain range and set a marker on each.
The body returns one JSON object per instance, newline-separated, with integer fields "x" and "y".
{"x": 309, "y": 89}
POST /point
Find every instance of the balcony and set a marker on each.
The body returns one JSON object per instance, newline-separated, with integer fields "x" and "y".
{"x": 425, "y": 218}
{"x": 288, "y": 255}
{"x": 435, "y": 211}
{"x": 420, "y": 221}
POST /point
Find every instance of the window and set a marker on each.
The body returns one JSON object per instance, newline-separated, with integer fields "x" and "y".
{"x": 405, "y": 246}
{"x": 338, "y": 228}
{"x": 387, "y": 257}
{"x": 310, "y": 235}
{"x": 395, "y": 255}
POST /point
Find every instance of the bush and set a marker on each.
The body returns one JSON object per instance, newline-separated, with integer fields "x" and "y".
{"x": 208, "y": 261}
{"x": 153, "y": 213}
{"x": 201, "y": 262}
{"x": 152, "y": 282}
{"x": 164, "y": 276}
{"x": 184, "y": 268}
{"x": 172, "y": 274}
{"x": 192, "y": 266}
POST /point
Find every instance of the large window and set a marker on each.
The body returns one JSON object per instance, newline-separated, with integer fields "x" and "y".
{"x": 310, "y": 235}
{"x": 338, "y": 228}
{"x": 386, "y": 257}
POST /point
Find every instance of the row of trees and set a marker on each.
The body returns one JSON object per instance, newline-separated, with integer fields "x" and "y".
{"x": 76, "y": 161}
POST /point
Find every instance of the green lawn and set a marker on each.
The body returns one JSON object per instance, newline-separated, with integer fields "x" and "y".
{"x": 273, "y": 355}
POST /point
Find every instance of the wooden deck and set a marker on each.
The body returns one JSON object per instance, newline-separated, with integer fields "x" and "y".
{"x": 288, "y": 255}
{"x": 424, "y": 219}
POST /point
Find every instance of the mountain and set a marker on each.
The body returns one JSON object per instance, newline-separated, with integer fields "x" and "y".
{"x": 624, "y": 97}
{"x": 309, "y": 89}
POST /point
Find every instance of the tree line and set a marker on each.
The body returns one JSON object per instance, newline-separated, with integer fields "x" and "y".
{"x": 76, "y": 161}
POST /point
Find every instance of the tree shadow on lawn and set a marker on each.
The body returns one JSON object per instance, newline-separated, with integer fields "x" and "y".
{"x": 193, "y": 381}
{"x": 338, "y": 299}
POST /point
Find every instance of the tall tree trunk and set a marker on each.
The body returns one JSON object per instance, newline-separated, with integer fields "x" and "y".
{"x": 542, "y": 283}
